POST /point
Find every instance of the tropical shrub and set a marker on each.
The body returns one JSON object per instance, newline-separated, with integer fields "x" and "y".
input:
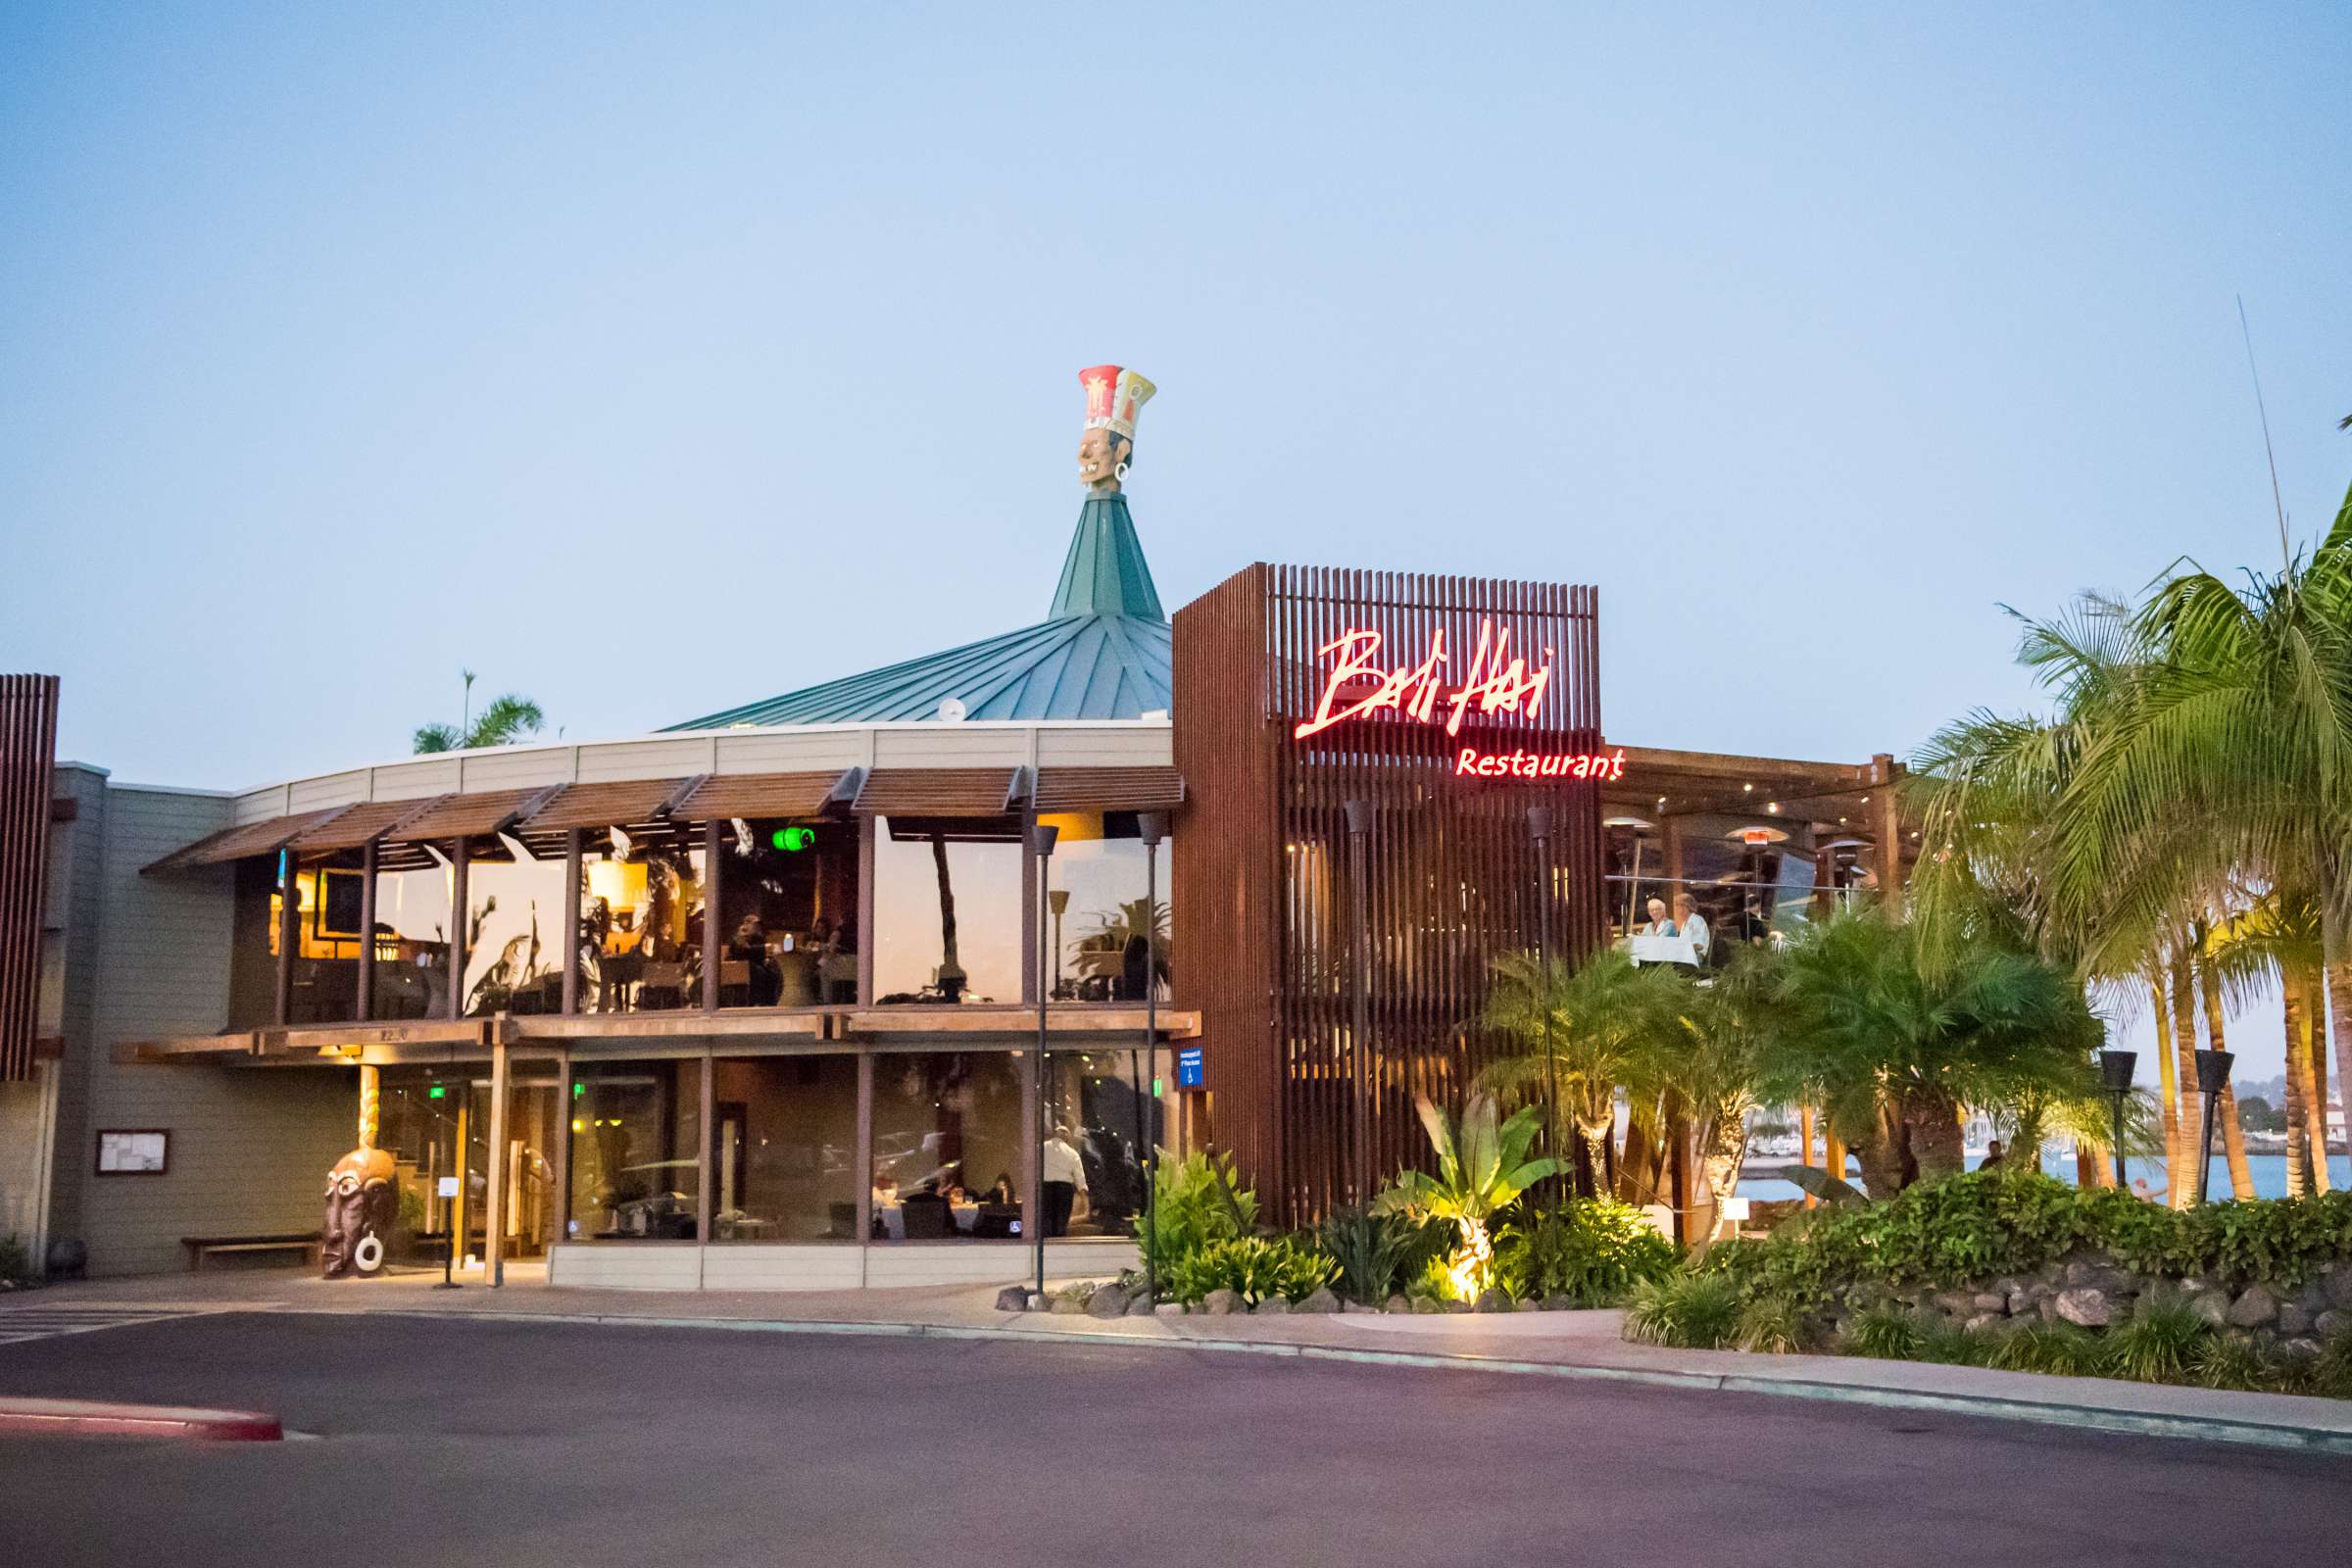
{"x": 1590, "y": 1250}
{"x": 2060, "y": 1349}
{"x": 1888, "y": 1332}
{"x": 1380, "y": 1255}
{"x": 1689, "y": 1311}
{"x": 2157, "y": 1343}
{"x": 1481, "y": 1167}
{"x": 1252, "y": 1267}
{"x": 1772, "y": 1324}
{"x": 1194, "y": 1202}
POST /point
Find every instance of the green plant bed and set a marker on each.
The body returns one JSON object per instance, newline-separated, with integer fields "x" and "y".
{"x": 1252, "y": 1267}
{"x": 1590, "y": 1250}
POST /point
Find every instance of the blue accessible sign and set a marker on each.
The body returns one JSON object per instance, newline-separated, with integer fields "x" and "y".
{"x": 1188, "y": 1068}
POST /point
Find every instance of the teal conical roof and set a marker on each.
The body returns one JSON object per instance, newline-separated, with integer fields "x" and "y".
{"x": 1105, "y": 573}
{"x": 1103, "y": 652}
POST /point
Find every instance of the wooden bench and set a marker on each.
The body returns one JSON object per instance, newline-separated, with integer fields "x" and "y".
{"x": 202, "y": 1246}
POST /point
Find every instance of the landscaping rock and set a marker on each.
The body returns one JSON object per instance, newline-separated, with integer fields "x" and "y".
{"x": 2254, "y": 1308}
{"x": 1427, "y": 1305}
{"x": 1221, "y": 1304}
{"x": 1356, "y": 1306}
{"x": 1955, "y": 1303}
{"x": 2096, "y": 1273}
{"x": 1108, "y": 1301}
{"x": 1036, "y": 1303}
{"x": 2293, "y": 1321}
{"x": 1491, "y": 1300}
{"x": 1526, "y": 1307}
{"x": 1069, "y": 1306}
{"x": 1990, "y": 1301}
{"x": 1397, "y": 1304}
{"x": 2211, "y": 1305}
{"x": 2085, "y": 1305}
{"x": 2329, "y": 1324}
{"x": 2299, "y": 1349}
{"x": 1142, "y": 1307}
{"x": 2337, "y": 1283}
{"x": 1272, "y": 1307}
{"x": 1987, "y": 1321}
{"x": 1013, "y": 1299}
{"x": 1557, "y": 1304}
{"x": 2312, "y": 1298}
{"x": 1168, "y": 1310}
{"x": 1320, "y": 1300}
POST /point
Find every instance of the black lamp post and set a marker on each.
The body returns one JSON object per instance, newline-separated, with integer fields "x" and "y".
{"x": 1041, "y": 845}
{"x": 1151, "y": 827}
{"x": 1538, "y": 826}
{"x": 2115, "y": 1067}
{"x": 2213, "y": 1076}
{"x": 1359, "y": 830}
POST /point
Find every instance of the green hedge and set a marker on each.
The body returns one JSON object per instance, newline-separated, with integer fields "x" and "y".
{"x": 1966, "y": 1229}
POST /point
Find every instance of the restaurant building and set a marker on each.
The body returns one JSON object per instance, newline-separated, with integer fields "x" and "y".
{"x": 755, "y": 1000}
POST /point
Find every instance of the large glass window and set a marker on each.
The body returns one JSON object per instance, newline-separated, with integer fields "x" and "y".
{"x": 948, "y": 909}
{"x": 421, "y": 1115}
{"x": 785, "y": 1133}
{"x": 641, "y": 923}
{"x": 1095, "y": 1119}
{"x": 948, "y": 1140}
{"x": 789, "y": 915}
{"x": 636, "y": 1149}
{"x": 513, "y": 933}
{"x": 1097, "y": 908}
{"x": 412, "y": 934}
{"x": 328, "y": 935}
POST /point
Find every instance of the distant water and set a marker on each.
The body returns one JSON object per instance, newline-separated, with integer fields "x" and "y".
{"x": 2270, "y": 1176}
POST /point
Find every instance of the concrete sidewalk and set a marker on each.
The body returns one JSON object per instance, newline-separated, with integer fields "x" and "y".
{"x": 1555, "y": 1344}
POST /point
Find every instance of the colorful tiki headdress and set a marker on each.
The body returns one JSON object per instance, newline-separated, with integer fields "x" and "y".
{"x": 1114, "y": 398}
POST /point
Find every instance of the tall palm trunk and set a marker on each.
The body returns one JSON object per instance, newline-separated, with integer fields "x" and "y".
{"x": 2298, "y": 1072}
{"x": 2339, "y": 1009}
{"x": 2167, "y": 1088}
{"x": 2181, "y": 1178}
{"x": 2314, "y": 1066}
{"x": 2225, "y": 1110}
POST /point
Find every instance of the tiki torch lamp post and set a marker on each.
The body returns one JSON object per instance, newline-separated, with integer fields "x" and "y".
{"x": 1359, "y": 830}
{"x": 1538, "y": 826}
{"x": 2115, "y": 1067}
{"x": 1151, "y": 827}
{"x": 1041, "y": 844}
{"x": 2213, "y": 1076}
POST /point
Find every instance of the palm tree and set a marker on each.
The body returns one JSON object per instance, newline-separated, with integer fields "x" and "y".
{"x": 506, "y": 719}
{"x": 1481, "y": 1167}
{"x": 1587, "y": 1031}
{"x": 1893, "y": 1048}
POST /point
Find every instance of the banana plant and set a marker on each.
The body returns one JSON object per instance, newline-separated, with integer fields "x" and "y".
{"x": 1481, "y": 1167}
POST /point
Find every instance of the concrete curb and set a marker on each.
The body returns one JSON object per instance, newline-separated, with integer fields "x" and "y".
{"x": 88, "y": 1419}
{"x": 2093, "y": 1417}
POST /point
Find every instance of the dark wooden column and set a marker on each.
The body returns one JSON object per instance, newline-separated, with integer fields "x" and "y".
{"x": 366, "y": 988}
{"x": 571, "y": 921}
{"x": 714, "y": 943}
{"x": 865, "y": 1153}
{"x": 289, "y": 933}
{"x": 867, "y": 828}
{"x": 457, "y": 928}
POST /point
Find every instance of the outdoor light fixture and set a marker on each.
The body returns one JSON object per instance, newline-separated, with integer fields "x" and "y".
{"x": 2115, "y": 1068}
{"x": 1360, "y": 869}
{"x": 792, "y": 840}
{"x": 1151, "y": 827}
{"x": 1042, "y": 837}
{"x": 2213, "y": 1077}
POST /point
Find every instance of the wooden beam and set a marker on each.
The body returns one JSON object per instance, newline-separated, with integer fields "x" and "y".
{"x": 571, "y": 921}
{"x": 715, "y": 923}
{"x": 458, "y": 861}
{"x": 367, "y": 987}
{"x": 289, "y": 934}
{"x": 493, "y": 1208}
{"x": 1126, "y": 1022}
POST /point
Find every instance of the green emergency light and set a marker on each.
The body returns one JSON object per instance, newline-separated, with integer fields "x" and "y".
{"x": 577, "y": 1090}
{"x": 792, "y": 840}
{"x": 437, "y": 1091}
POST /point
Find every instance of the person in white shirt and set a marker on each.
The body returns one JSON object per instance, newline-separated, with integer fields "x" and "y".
{"x": 1659, "y": 925}
{"x": 1693, "y": 924}
{"x": 1062, "y": 1163}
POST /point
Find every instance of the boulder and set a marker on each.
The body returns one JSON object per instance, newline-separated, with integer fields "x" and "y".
{"x": 2293, "y": 1321}
{"x": 1985, "y": 1321}
{"x": 1457, "y": 1306}
{"x": 1427, "y": 1305}
{"x": 1320, "y": 1300}
{"x": 1356, "y": 1306}
{"x": 1069, "y": 1306}
{"x": 1013, "y": 1299}
{"x": 1557, "y": 1304}
{"x": 2211, "y": 1305}
{"x": 1221, "y": 1304}
{"x": 1990, "y": 1302}
{"x": 1037, "y": 1302}
{"x": 1526, "y": 1307}
{"x": 1107, "y": 1301}
{"x": 1397, "y": 1304}
{"x": 1272, "y": 1307}
{"x": 2303, "y": 1350}
{"x": 2253, "y": 1308}
{"x": 2084, "y": 1306}
{"x": 1491, "y": 1300}
{"x": 2095, "y": 1273}
{"x": 1955, "y": 1303}
{"x": 2332, "y": 1322}
{"x": 1167, "y": 1309}
{"x": 2337, "y": 1283}
{"x": 1142, "y": 1307}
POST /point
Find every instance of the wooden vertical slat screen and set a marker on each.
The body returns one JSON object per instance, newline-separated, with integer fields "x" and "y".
{"x": 1263, "y": 869}
{"x": 28, "y": 752}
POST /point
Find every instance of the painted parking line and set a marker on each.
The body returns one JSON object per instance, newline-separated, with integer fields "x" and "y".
{"x": 19, "y": 1324}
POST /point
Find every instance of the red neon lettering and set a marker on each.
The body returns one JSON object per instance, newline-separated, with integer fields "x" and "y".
{"x": 1499, "y": 681}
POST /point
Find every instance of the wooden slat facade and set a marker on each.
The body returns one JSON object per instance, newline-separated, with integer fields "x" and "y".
{"x": 251, "y": 839}
{"x": 938, "y": 792}
{"x": 624, "y": 803}
{"x": 27, "y": 781}
{"x": 1110, "y": 789}
{"x": 467, "y": 815}
{"x": 749, "y": 795}
{"x": 358, "y": 825}
{"x": 1264, "y": 877}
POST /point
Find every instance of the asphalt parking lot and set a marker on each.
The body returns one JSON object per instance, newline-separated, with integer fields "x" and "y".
{"x": 523, "y": 1444}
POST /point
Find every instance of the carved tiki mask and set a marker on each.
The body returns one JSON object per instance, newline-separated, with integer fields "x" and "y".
{"x": 1114, "y": 396}
{"x": 362, "y": 1205}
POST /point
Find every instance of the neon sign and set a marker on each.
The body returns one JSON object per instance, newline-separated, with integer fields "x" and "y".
{"x": 1499, "y": 682}
{"x": 1603, "y": 765}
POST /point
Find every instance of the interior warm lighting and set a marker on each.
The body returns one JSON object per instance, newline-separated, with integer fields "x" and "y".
{"x": 1774, "y": 807}
{"x": 1747, "y": 789}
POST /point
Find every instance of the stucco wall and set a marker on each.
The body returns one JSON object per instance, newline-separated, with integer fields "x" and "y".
{"x": 250, "y": 1146}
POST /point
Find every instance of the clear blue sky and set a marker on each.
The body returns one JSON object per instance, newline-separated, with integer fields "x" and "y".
{"x": 656, "y": 359}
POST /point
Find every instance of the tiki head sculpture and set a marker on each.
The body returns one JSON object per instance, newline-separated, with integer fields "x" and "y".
{"x": 363, "y": 1201}
{"x": 1114, "y": 398}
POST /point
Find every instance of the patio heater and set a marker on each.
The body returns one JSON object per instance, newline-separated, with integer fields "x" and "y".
{"x": 1042, "y": 837}
{"x": 1359, "y": 830}
{"x": 1539, "y": 827}
{"x": 1058, "y": 900}
{"x": 1151, "y": 827}
{"x": 2213, "y": 1077}
{"x": 2115, "y": 1068}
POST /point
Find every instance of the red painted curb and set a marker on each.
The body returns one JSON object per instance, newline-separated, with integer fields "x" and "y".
{"x": 88, "y": 1419}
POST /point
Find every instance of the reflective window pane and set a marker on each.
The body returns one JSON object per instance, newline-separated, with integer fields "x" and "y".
{"x": 1096, "y": 909}
{"x": 786, "y": 1139}
{"x": 1094, "y": 1178}
{"x": 947, "y": 910}
{"x": 948, "y": 1139}
{"x": 636, "y": 1149}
